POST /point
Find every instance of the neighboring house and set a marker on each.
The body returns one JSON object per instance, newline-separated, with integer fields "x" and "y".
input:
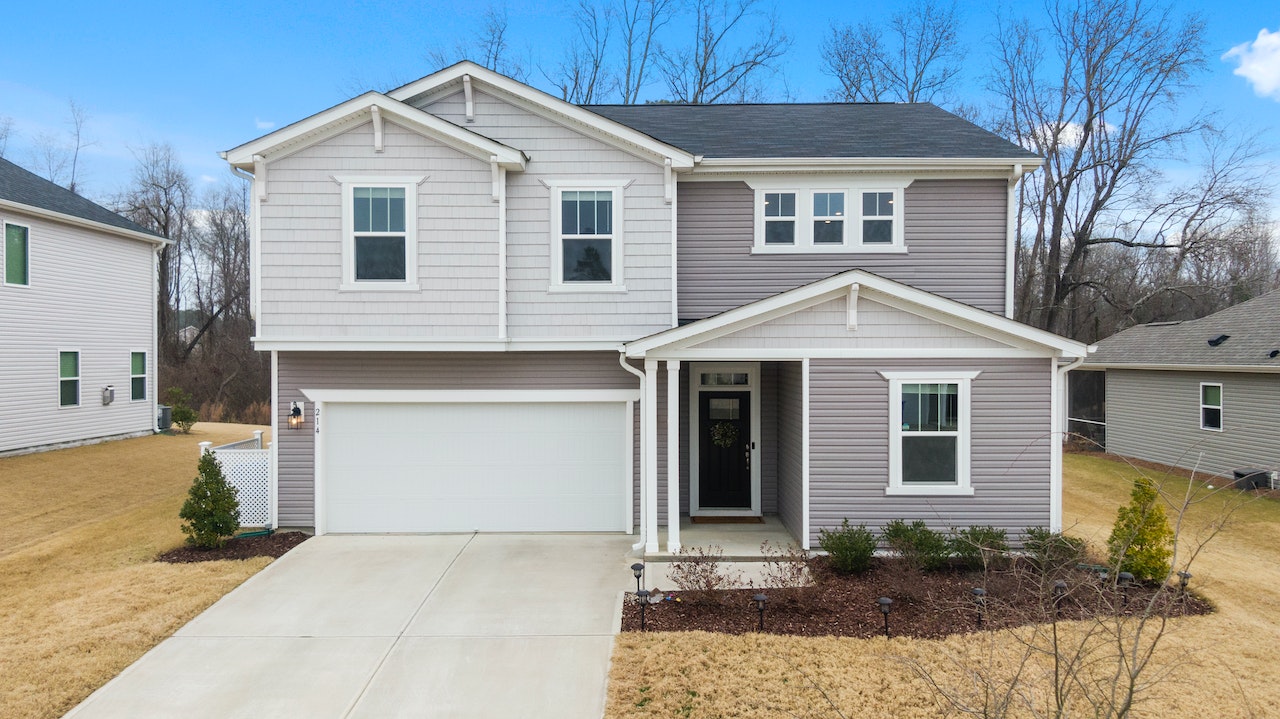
{"x": 1201, "y": 394}
{"x": 494, "y": 310}
{"x": 77, "y": 318}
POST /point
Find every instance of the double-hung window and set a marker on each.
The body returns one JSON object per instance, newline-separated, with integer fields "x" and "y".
{"x": 830, "y": 216}
{"x": 69, "y": 379}
{"x": 379, "y": 233}
{"x": 137, "y": 376}
{"x": 929, "y": 431}
{"x": 586, "y": 241}
{"x": 1211, "y": 406}
{"x": 17, "y": 246}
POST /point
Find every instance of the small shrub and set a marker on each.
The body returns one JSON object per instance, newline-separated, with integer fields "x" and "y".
{"x": 211, "y": 510}
{"x": 785, "y": 569}
{"x": 979, "y": 547}
{"x": 1051, "y": 553}
{"x": 917, "y": 544}
{"x": 850, "y": 549}
{"x": 184, "y": 418}
{"x": 1141, "y": 539}
{"x": 697, "y": 573}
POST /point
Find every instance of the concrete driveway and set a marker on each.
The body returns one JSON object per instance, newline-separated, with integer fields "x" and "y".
{"x": 479, "y": 625}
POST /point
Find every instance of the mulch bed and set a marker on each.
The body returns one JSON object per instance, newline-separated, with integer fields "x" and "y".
{"x": 925, "y": 605}
{"x": 270, "y": 545}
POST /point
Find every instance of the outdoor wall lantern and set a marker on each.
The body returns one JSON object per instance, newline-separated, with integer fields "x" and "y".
{"x": 295, "y": 416}
{"x": 638, "y": 570}
{"x": 979, "y": 600}
{"x": 760, "y": 601}
{"x": 643, "y": 596}
{"x": 1184, "y": 577}
{"x": 886, "y": 606}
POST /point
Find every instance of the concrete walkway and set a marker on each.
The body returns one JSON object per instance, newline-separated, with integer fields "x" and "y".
{"x": 395, "y": 626}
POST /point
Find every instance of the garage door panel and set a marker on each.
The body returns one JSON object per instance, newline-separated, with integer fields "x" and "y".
{"x": 462, "y": 467}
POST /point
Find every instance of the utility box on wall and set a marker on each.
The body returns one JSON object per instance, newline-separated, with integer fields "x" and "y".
{"x": 108, "y": 394}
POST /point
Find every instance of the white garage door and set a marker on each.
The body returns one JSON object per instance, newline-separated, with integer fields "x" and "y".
{"x": 509, "y": 467}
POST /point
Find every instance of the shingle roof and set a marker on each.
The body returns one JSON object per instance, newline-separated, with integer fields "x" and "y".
{"x": 854, "y": 130}
{"x": 19, "y": 185}
{"x": 1252, "y": 329}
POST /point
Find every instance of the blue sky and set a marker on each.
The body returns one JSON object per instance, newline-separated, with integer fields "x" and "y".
{"x": 208, "y": 76}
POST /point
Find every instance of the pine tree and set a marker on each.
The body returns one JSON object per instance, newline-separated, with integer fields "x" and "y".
{"x": 211, "y": 510}
{"x": 1141, "y": 540}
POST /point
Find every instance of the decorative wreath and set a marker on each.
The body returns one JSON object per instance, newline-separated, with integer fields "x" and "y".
{"x": 724, "y": 434}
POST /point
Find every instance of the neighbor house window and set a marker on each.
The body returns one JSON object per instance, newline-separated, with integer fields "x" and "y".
{"x": 929, "y": 430}
{"x": 137, "y": 375}
{"x": 779, "y": 218}
{"x": 379, "y": 220}
{"x": 16, "y": 255}
{"x": 831, "y": 216}
{"x": 1210, "y": 406}
{"x": 586, "y": 238}
{"x": 68, "y": 379}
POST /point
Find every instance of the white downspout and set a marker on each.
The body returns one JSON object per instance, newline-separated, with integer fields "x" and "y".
{"x": 155, "y": 338}
{"x": 1057, "y": 436}
{"x": 644, "y": 505}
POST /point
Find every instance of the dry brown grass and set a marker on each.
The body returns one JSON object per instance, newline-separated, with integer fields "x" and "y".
{"x": 80, "y": 598}
{"x": 1222, "y": 665}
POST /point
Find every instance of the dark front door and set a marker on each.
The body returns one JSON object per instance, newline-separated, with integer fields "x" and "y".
{"x": 724, "y": 450}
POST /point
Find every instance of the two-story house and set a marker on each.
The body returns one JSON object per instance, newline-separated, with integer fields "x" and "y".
{"x": 77, "y": 318}
{"x": 488, "y": 309}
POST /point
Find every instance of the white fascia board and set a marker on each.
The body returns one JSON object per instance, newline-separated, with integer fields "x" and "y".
{"x": 802, "y": 353}
{"x": 894, "y": 294}
{"x": 983, "y": 165}
{"x": 548, "y": 106}
{"x": 83, "y": 223}
{"x": 411, "y": 344}
{"x": 319, "y": 126}
{"x": 469, "y": 396}
{"x": 1182, "y": 367}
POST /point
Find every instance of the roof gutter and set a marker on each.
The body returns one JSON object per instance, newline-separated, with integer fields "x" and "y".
{"x": 82, "y": 222}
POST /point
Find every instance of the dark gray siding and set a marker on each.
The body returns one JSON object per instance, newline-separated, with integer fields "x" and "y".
{"x": 415, "y": 370}
{"x": 955, "y": 237}
{"x": 1156, "y": 416}
{"x": 791, "y": 446}
{"x": 849, "y": 446}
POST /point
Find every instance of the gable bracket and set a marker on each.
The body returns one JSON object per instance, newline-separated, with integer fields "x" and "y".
{"x": 853, "y": 306}
{"x": 377, "y": 127}
{"x": 496, "y": 176}
{"x": 260, "y": 176}
{"x": 669, "y": 184}
{"x": 470, "y": 101}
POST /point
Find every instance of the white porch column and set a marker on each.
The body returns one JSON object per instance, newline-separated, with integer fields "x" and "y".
{"x": 649, "y": 448}
{"x": 673, "y": 456}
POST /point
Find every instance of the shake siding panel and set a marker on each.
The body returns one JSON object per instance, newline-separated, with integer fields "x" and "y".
{"x": 1156, "y": 416}
{"x": 415, "y": 370}
{"x": 88, "y": 292}
{"x": 559, "y": 154}
{"x": 955, "y": 236}
{"x": 849, "y": 440}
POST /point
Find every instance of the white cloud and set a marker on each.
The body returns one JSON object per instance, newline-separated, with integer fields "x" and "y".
{"x": 1259, "y": 63}
{"x": 208, "y": 178}
{"x": 267, "y": 124}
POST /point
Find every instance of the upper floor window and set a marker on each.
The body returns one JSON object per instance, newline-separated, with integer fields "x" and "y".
{"x": 830, "y": 219}
{"x": 929, "y": 432}
{"x": 16, "y": 255}
{"x": 137, "y": 376}
{"x": 68, "y": 379}
{"x": 379, "y": 233}
{"x": 587, "y": 238}
{"x": 1211, "y": 406}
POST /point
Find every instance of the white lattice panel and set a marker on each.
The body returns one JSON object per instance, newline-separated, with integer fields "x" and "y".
{"x": 249, "y": 471}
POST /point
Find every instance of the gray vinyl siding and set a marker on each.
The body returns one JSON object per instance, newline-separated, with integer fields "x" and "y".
{"x": 89, "y": 292}
{"x": 559, "y": 154}
{"x": 302, "y": 242}
{"x": 1010, "y": 447}
{"x": 790, "y": 413}
{"x": 955, "y": 233}
{"x": 410, "y": 371}
{"x": 1155, "y": 416}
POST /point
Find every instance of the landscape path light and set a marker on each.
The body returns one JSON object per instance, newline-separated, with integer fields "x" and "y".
{"x": 1184, "y": 577}
{"x": 643, "y": 596}
{"x": 638, "y": 570}
{"x": 886, "y": 606}
{"x": 980, "y": 600}
{"x": 760, "y": 601}
{"x": 1059, "y": 591}
{"x": 1126, "y": 578}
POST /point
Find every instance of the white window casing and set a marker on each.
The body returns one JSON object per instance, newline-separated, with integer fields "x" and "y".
{"x": 1211, "y": 413}
{"x": 136, "y": 376}
{"x": 69, "y": 377}
{"x": 409, "y": 186}
{"x": 15, "y": 255}
{"x": 820, "y": 203}
{"x": 616, "y": 235}
{"x": 963, "y": 433}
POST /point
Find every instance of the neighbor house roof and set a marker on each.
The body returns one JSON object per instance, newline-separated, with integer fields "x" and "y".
{"x": 1252, "y": 331}
{"x": 816, "y": 130}
{"x": 21, "y": 187}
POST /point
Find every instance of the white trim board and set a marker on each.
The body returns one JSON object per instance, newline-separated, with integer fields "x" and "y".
{"x": 469, "y": 396}
{"x": 753, "y": 387}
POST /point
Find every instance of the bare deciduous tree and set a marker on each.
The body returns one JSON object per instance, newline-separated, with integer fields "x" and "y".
{"x": 6, "y": 132}
{"x": 639, "y": 22}
{"x": 59, "y": 157}
{"x": 582, "y": 76}
{"x": 489, "y": 48}
{"x": 716, "y": 69}
{"x": 916, "y": 59}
